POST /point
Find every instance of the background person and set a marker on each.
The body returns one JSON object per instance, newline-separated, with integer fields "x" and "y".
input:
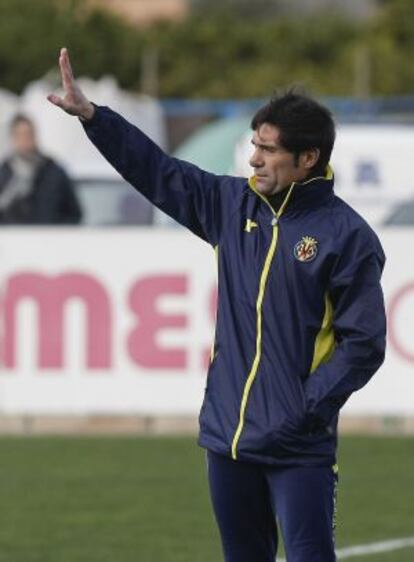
{"x": 33, "y": 188}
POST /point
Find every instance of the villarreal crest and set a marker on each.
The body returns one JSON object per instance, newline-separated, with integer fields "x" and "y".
{"x": 306, "y": 249}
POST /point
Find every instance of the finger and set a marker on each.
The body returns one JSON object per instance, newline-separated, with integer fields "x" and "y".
{"x": 65, "y": 71}
{"x": 65, "y": 74}
{"x": 56, "y": 100}
{"x": 65, "y": 53}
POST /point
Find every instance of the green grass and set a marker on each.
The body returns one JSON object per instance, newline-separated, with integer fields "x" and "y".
{"x": 146, "y": 499}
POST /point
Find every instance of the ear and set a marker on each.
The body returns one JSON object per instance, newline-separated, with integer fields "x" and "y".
{"x": 308, "y": 158}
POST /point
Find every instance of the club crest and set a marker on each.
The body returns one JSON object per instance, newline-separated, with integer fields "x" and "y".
{"x": 306, "y": 249}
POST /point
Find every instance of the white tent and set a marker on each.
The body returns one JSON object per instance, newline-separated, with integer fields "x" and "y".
{"x": 62, "y": 137}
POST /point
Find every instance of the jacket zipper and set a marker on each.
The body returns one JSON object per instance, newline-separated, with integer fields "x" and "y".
{"x": 259, "y": 305}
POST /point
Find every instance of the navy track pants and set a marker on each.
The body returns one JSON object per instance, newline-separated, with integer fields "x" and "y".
{"x": 247, "y": 498}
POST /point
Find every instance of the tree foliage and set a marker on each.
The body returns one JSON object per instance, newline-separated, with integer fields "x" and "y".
{"x": 31, "y": 34}
{"x": 391, "y": 43}
{"x": 218, "y": 53}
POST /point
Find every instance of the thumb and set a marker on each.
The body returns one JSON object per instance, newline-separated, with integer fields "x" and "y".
{"x": 56, "y": 100}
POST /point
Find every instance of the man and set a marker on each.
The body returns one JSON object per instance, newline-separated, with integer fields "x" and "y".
{"x": 300, "y": 320}
{"x": 33, "y": 188}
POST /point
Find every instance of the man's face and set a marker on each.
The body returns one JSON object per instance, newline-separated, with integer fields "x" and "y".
{"x": 274, "y": 166}
{"x": 23, "y": 138}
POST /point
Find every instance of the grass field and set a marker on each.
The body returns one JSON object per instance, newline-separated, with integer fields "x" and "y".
{"x": 146, "y": 500}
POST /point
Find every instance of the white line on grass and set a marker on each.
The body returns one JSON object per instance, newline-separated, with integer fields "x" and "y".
{"x": 373, "y": 548}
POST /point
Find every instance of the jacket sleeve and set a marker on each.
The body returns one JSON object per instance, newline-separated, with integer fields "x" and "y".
{"x": 191, "y": 196}
{"x": 359, "y": 328}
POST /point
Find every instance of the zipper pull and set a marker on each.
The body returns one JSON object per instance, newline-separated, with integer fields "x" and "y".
{"x": 275, "y": 220}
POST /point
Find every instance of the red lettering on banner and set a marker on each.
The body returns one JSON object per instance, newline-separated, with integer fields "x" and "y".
{"x": 142, "y": 345}
{"x": 51, "y": 294}
{"x": 394, "y": 306}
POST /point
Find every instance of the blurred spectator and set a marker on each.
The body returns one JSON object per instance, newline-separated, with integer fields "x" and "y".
{"x": 33, "y": 188}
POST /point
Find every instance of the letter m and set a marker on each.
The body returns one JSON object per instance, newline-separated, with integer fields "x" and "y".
{"x": 51, "y": 293}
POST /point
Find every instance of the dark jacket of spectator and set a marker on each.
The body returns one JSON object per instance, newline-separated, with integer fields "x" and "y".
{"x": 36, "y": 191}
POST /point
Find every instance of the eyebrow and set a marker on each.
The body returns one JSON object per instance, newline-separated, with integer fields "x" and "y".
{"x": 264, "y": 145}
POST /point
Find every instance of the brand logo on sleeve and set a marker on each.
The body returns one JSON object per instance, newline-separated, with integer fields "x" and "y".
{"x": 250, "y": 225}
{"x": 306, "y": 249}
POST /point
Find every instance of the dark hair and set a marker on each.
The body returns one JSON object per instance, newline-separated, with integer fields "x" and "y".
{"x": 20, "y": 118}
{"x": 303, "y": 124}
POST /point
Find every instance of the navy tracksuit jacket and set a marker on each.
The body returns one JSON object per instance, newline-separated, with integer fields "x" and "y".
{"x": 300, "y": 320}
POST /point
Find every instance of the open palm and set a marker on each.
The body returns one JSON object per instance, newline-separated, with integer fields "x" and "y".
{"x": 74, "y": 101}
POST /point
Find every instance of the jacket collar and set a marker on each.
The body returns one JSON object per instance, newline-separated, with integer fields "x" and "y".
{"x": 309, "y": 193}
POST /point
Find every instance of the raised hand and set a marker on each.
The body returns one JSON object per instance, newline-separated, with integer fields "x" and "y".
{"x": 74, "y": 102}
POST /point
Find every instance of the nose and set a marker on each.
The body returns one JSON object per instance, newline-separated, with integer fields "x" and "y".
{"x": 256, "y": 159}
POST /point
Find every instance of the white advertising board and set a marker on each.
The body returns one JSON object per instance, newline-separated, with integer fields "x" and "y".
{"x": 120, "y": 321}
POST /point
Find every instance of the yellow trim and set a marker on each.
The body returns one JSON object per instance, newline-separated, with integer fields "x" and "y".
{"x": 262, "y": 286}
{"x": 252, "y": 184}
{"x": 328, "y": 176}
{"x": 325, "y": 340}
{"x": 213, "y": 348}
{"x": 329, "y": 173}
{"x": 216, "y": 253}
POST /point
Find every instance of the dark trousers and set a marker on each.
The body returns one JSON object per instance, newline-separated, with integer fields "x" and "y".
{"x": 247, "y": 498}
